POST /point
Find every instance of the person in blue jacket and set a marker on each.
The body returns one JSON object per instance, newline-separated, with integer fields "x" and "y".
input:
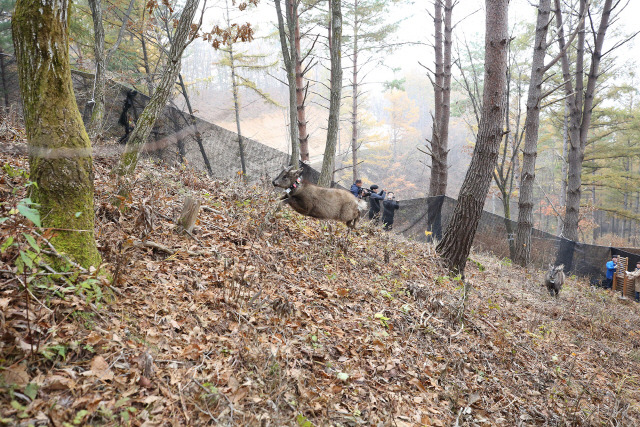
{"x": 356, "y": 188}
{"x": 611, "y": 269}
{"x": 374, "y": 202}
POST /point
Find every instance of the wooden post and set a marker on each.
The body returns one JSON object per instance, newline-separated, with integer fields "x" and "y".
{"x": 619, "y": 276}
{"x": 189, "y": 214}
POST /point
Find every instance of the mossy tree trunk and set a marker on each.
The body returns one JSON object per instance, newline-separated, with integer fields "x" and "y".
{"x": 158, "y": 100}
{"x": 60, "y": 157}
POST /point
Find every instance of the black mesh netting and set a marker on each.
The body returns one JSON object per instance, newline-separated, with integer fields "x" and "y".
{"x": 432, "y": 214}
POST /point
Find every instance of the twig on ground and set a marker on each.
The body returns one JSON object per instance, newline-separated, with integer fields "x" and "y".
{"x": 162, "y": 248}
{"x": 184, "y": 407}
{"x": 33, "y": 296}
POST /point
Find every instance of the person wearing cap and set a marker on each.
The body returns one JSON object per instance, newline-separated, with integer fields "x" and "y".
{"x": 374, "y": 202}
{"x": 389, "y": 207}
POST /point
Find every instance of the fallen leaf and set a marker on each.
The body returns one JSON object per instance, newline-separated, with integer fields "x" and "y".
{"x": 145, "y": 382}
{"x": 100, "y": 368}
{"x": 93, "y": 338}
{"x": 150, "y": 399}
{"x": 59, "y": 382}
{"x": 16, "y": 374}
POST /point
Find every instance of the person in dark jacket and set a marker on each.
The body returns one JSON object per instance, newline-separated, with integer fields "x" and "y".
{"x": 356, "y": 188}
{"x": 374, "y": 202}
{"x": 389, "y": 210}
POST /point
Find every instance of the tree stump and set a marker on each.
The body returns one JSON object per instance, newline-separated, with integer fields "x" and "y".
{"x": 189, "y": 214}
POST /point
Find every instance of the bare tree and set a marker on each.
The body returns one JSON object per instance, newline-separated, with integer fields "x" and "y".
{"x": 530, "y": 152}
{"x": 456, "y": 244}
{"x": 532, "y": 123}
{"x": 301, "y": 88}
{"x": 580, "y": 99}
{"x": 194, "y": 123}
{"x": 102, "y": 59}
{"x": 438, "y": 150}
{"x": 236, "y": 101}
{"x": 504, "y": 175}
{"x": 506, "y": 171}
{"x": 144, "y": 125}
{"x": 371, "y": 34}
{"x": 290, "y": 58}
{"x": 335, "y": 48}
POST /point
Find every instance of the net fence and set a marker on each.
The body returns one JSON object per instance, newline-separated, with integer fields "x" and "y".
{"x": 417, "y": 216}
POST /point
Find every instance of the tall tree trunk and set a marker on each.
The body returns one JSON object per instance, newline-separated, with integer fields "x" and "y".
{"x": 581, "y": 101}
{"x": 5, "y": 90}
{"x": 236, "y": 106}
{"x": 303, "y": 136}
{"x": 508, "y": 225}
{"x": 575, "y": 156}
{"x": 637, "y": 210}
{"x": 531, "y": 125}
{"x": 442, "y": 94}
{"x": 194, "y": 123}
{"x": 97, "y": 114}
{"x": 354, "y": 96}
{"x": 175, "y": 116}
{"x": 434, "y": 183}
{"x": 455, "y": 246}
{"x": 60, "y": 158}
{"x": 144, "y": 125}
{"x": 102, "y": 61}
{"x": 326, "y": 174}
{"x": 145, "y": 56}
{"x": 289, "y": 57}
{"x": 446, "y": 99}
{"x": 563, "y": 170}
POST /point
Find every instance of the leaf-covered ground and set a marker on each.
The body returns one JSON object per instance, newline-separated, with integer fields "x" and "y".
{"x": 263, "y": 319}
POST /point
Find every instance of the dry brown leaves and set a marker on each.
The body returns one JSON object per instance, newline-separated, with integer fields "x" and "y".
{"x": 278, "y": 321}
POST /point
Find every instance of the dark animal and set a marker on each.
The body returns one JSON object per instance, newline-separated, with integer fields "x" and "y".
{"x": 554, "y": 279}
{"x": 124, "y": 116}
{"x": 317, "y": 202}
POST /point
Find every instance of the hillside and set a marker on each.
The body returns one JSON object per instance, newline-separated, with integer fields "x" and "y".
{"x": 259, "y": 319}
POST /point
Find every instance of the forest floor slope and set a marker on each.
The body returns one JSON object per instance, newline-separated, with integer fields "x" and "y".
{"x": 258, "y": 319}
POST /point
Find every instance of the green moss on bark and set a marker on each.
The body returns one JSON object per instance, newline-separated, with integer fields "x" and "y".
{"x": 60, "y": 151}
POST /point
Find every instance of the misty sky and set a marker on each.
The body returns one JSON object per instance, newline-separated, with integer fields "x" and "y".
{"x": 417, "y": 26}
{"x": 472, "y": 27}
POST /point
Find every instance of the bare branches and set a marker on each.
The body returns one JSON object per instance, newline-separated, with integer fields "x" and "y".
{"x": 125, "y": 21}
